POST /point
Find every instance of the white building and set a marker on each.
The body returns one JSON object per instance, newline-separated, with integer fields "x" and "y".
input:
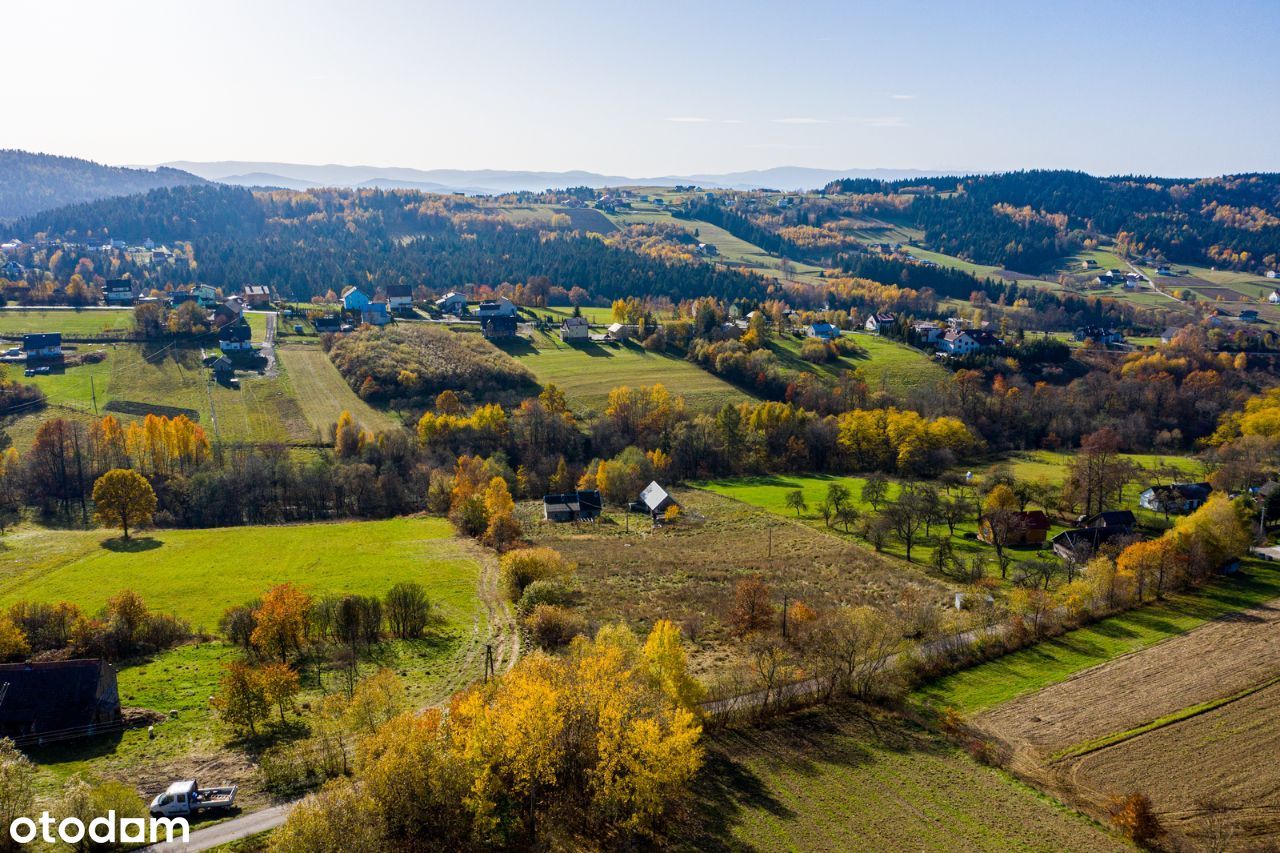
{"x": 575, "y": 329}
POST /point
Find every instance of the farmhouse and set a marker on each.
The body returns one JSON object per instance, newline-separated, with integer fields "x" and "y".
{"x": 1175, "y": 497}
{"x": 927, "y": 333}
{"x": 375, "y": 314}
{"x": 654, "y": 500}
{"x": 622, "y": 331}
{"x": 876, "y": 322}
{"x": 1098, "y": 335}
{"x": 354, "y": 299}
{"x": 1111, "y": 518}
{"x": 234, "y": 337}
{"x": 206, "y": 295}
{"x": 47, "y": 345}
{"x": 498, "y": 327}
{"x": 500, "y": 307}
{"x": 575, "y": 329}
{"x": 582, "y": 505}
{"x": 1075, "y": 544}
{"x": 73, "y": 697}
{"x": 223, "y": 369}
{"x": 823, "y": 331}
{"x": 12, "y": 270}
{"x": 229, "y": 311}
{"x": 119, "y": 291}
{"x": 964, "y": 341}
{"x": 399, "y": 297}
{"x": 327, "y": 323}
{"x": 452, "y": 303}
{"x": 1028, "y": 528}
{"x": 256, "y": 294}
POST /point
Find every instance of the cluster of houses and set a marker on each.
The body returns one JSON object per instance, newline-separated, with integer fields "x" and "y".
{"x": 1129, "y": 280}
{"x": 499, "y": 318}
{"x": 1098, "y": 334}
{"x": 587, "y": 505}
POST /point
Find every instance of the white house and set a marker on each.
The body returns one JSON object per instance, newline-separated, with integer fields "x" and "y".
{"x": 927, "y": 333}
{"x": 451, "y": 303}
{"x": 500, "y": 307}
{"x": 119, "y": 291}
{"x": 234, "y": 337}
{"x": 876, "y": 322}
{"x": 965, "y": 341}
{"x": 623, "y": 331}
{"x": 575, "y": 329}
{"x": 399, "y": 297}
{"x": 256, "y": 294}
{"x": 354, "y": 299}
{"x": 1274, "y": 297}
{"x": 1273, "y": 274}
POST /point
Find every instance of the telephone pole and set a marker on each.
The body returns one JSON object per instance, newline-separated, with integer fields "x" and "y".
{"x": 93, "y": 392}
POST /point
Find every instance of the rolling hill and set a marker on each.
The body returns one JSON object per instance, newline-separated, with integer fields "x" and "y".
{"x": 30, "y": 183}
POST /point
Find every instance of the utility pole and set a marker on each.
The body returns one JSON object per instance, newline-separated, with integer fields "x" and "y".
{"x": 488, "y": 662}
{"x": 770, "y": 529}
{"x": 93, "y": 392}
{"x": 784, "y": 617}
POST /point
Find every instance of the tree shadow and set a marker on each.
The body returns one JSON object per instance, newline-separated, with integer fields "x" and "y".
{"x": 132, "y": 545}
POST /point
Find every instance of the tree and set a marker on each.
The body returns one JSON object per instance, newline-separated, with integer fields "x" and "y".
{"x": 408, "y": 610}
{"x": 346, "y": 436}
{"x": 281, "y": 621}
{"x": 1134, "y": 816}
{"x": 123, "y": 497}
{"x": 85, "y": 802}
{"x": 17, "y": 795}
{"x": 1002, "y": 527}
{"x": 852, "y": 647}
{"x": 874, "y": 491}
{"x": 279, "y": 685}
{"x": 906, "y": 517}
{"x": 752, "y": 610}
{"x": 795, "y": 500}
{"x": 13, "y": 642}
{"x": 241, "y": 699}
{"x": 668, "y": 666}
{"x": 337, "y": 819}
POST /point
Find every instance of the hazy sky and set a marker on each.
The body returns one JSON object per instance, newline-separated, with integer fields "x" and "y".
{"x": 650, "y": 88}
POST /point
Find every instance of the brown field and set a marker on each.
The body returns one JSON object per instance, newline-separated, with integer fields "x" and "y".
{"x": 687, "y": 572}
{"x": 1213, "y": 294}
{"x": 1163, "y": 722}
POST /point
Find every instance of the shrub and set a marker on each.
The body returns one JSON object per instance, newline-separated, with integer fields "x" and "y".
{"x": 523, "y": 566}
{"x": 552, "y": 626}
{"x": 550, "y": 591}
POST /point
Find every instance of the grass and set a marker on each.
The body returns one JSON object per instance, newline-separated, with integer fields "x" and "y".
{"x": 197, "y": 574}
{"x": 887, "y": 364}
{"x": 849, "y": 773}
{"x": 586, "y": 372}
{"x": 988, "y": 684}
{"x": 324, "y": 395}
{"x": 75, "y": 323}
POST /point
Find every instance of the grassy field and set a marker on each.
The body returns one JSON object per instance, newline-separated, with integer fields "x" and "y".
{"x": 887, "y": 364}
{"x": 821, "y": 779}
{"x": 323, "y": 394}
{"x": 986, "y": 685}
{"x": 86, "y": 322}
{"x": 197, "y": 574}
{"x": 596, "y": 315}
{"x": 587, "y": 372}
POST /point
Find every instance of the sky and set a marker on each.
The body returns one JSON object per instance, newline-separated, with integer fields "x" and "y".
{"x": 653, "y": 88}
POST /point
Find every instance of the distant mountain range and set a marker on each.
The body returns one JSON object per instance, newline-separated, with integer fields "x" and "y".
{"x": 493, "y": 181}
{"x": 30, "y": 183}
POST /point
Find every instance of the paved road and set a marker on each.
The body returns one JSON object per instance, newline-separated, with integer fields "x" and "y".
{"x": 229, "y": 830}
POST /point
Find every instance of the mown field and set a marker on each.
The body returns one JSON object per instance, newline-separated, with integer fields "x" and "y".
{"x": 324, "y": 395}
{"x": 586, "y": 372}
{"x": 849, "y": 778}
{"x": 84, "y": 322}
{"x": 887, "y": 364}
{"x": 987, "y": 685}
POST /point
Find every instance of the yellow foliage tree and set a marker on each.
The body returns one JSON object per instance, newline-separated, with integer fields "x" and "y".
{"x": 123, "y": 497}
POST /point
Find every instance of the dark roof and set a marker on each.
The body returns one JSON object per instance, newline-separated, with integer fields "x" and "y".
{"x": 237, "y": 331}
{"x": 42, "y": 341}
{"x": 51, "y": 696}
{"x": 1035, "y": 520}
{"x": 222, "y": 364}
{"x": 1111, "y": 518}
{"x": 118, "y": 284}
{"x": 1090, "y": 537}
{"x": 399, "y": 290}
{"x": 1190, "y": 491}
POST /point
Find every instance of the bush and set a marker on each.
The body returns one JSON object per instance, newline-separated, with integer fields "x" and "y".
{"x": 552, "y": 626}
{"x": 550, "y": 591}
{"x": 523, "y": 566}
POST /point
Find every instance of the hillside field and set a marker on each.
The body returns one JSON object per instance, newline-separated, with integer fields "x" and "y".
{"x": 586, "y": 372}
{"x": 887, "y": 364}
{"x": 79, "y": 323}
{"x": 842, "y": 774}
{"x": 323, "y": 394}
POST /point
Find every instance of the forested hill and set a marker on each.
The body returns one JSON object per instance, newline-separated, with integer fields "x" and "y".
{"x": 1025, "y": 220}
{"x": 30, "y": 182}
{"x": 307, "y": 243}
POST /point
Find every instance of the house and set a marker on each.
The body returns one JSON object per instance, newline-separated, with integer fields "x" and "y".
{"x": 499, "y": 327}
{"x": 500, "y": 307}
{"x": 399, "y": 297}
{"x": 12, "y": 270}
{"x": 72, "y": 698}
{"x": 582, "y": 505}
{"x": 231, "y": 310}
{"x": 452, "y": 303}
{"x": 206, "y": 295}
{"x": 575, "y": 329}
{"x": 47, "y": 345}
{"x": 1088, "y": 264}
{"x": 1274, "y": 297}
{"x": 1028, "y": 528}
{"x": 119, "y": 291}
{"x": 375, "y": 314}
{"x": 728, "y": 332}
{"x": 1107, "y": 279}
{"x": 876, "y": 322}
{"x": 654, "y": 500}
{"x": 15, "y": 244}
{"x": 1167, "y": 336}
{"x": 234, "y": 337}
{"x": 927, "y": 333}
{"x": 256, "y": 294}
{"x": 964, "y": 341}
{"x": 1110, "y": 518}
{"x": 1273, "y": 274}
{"x": 223, "y": 369}
{"x": 1081, "y": 542}
{"x": 1164, "y": 270}
{"x": 823, "y": 331}
{"x": 622, "y": 331}
{"x": 1175, "y": 498}
{"x": 327, "y": 323}
{"x": 1098, "y": 335}
{"x": 354, "y": 299}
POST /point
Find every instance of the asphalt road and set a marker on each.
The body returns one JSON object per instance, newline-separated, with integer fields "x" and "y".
{"x": 229, "y": 830}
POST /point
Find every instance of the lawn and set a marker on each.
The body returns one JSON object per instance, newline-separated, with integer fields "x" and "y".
{"x": 197, "y": 574}
{"x": 586, "y": 372}
{"x": 850, "y": 778}
{"x": 75, "y": 323}
{"x": 986, "y": 685}
{"x": 324, "y": 395}
{"x": 887, "y": 364}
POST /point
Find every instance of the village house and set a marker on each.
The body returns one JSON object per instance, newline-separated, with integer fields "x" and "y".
{"x": 1274, "y": 297}
{"x": 399, "y": 297}
{"x": 1110, "y": 518}
{"x": 1098, "y": 335}
{"x": 327, "y": 323}
{"x": 206, "y": 295}
{"x": 375, "y": 313}
{"x": 229, "y": 311}
{"x": 1028, "y": 528}
{"x": 119, "y": 291}
{"x": 45, "y": 345}
{"x": 452, "y": 303}
{"x": 223, "y": 369}
{"x": 354, "y": 299}
{"x": 1082, "y": 542}
{"x": 575, "y": 329}
{"x": 73, "y": 698}
{"x": 1175, "y": 498}
{"x": 957, "y": 342}
{"x": 876, "y": 322}
{"x": 1167, "y": 336}
{"x": 621, "y": 331}
{"x": 234, "y": 337}
{"x": 499, "y": 326}
{"x": 582, "y": 505}
{"x": 654, "y": 500}
{"x": 823, "y": 331}
{"x": 500, "y": 307}
{"x": 12, "y": 270}
{"x": 927, "y": 333}
{"x": 256, "y": 294}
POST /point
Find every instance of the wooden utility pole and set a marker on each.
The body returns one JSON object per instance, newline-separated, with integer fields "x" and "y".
{"x": 93, "y": 392}
{"x": 784, "y": 617}
{"x": 488, "y": 663}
